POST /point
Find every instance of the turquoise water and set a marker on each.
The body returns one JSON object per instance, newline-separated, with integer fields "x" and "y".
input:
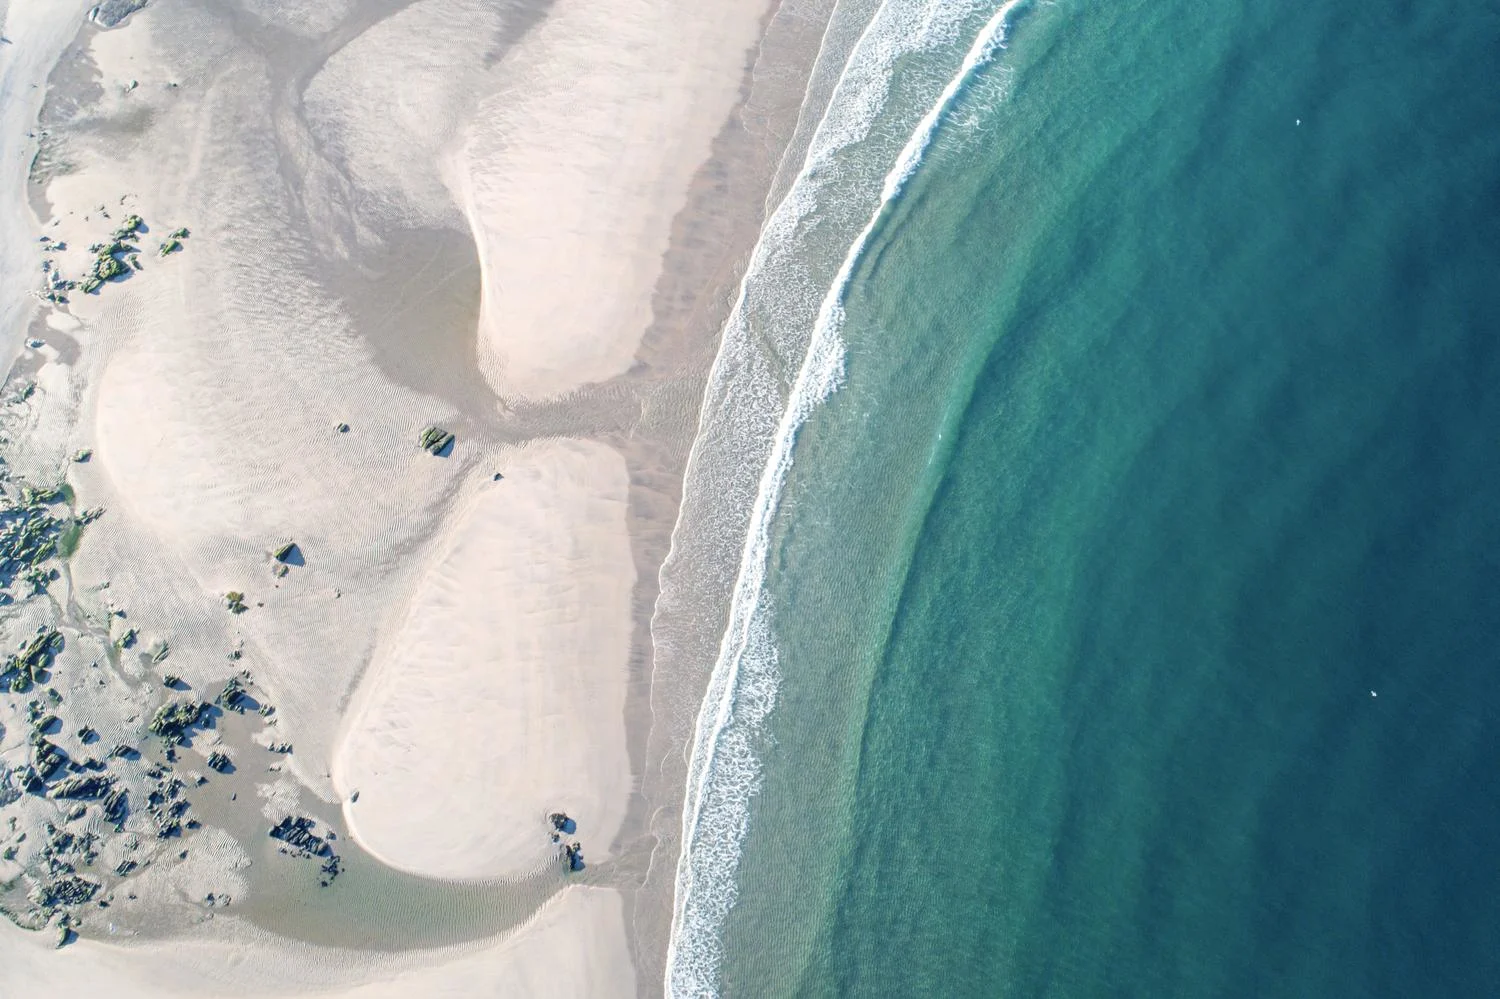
{"x": 1135, "y": 596}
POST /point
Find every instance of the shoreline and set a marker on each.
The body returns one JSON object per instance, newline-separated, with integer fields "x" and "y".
{"x": 136, "y": 375}
{"x": 753, "y": 413}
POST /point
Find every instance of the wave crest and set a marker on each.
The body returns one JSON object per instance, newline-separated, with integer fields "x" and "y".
{"x": 781, "y": 296}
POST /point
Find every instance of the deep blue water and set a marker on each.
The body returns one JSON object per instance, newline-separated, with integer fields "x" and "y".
{"x": 1136, "y": 595}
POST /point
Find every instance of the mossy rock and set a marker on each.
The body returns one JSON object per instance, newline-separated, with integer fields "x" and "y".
{"x": 435, "y": 440}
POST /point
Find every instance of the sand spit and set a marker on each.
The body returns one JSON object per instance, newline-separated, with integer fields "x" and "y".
{"x": 571, "y": 176}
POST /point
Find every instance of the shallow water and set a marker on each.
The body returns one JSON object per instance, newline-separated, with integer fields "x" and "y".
{"x": 1133, "y": 598}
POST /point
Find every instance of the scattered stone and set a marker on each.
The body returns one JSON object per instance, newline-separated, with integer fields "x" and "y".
{"x": 331, "y": 869}
{"x": 219, "y": 761}
{"x": 573, "y": 855}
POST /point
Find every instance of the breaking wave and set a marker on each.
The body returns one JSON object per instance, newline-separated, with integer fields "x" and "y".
{"x": 751, "y": 419}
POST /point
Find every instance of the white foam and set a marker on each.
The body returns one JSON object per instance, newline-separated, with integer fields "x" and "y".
{"x": 723, "y": 771}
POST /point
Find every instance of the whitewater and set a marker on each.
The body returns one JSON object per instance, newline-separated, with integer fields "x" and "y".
{"x": 787, "y": 307}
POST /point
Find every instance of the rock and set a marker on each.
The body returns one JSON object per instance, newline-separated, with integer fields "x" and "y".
{"x": 342, "y": 428}
{"x": 172, "y": 719}
{"x": 86, "y": 788}
{"x": 113, "y": 13}
{"x": 219, "y": 761}
{"x": 34, "y": 658}
{"x": 116, "y": 805}
{"x": 83, "y": 454}
{"x": 233, "y": 694}
{"x": 286, "y": 552}
{"x": 297, "y": 833}
{"x": 235, "y": 601}
{"x": 68, "y": 891}
{"x": 46, "y": 759}
{"x": 170, "y": 246}
{"x": 435, "y": 440}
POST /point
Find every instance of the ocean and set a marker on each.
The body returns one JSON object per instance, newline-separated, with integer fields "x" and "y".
{"x": 1111, "y": 415}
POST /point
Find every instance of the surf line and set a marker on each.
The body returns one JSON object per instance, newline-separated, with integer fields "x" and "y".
{"x": 688, "y": 973}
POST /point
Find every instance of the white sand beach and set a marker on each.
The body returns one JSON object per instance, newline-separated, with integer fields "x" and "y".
{"x": 358, "y": 220}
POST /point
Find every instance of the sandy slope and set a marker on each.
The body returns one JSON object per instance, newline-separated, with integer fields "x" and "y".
{"x": 572, "y": 172}
{"x": 574, "y": 947}
{"x": 500, "y": 697}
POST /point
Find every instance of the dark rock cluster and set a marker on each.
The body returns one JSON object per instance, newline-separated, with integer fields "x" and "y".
{"x": 301, "y": 841}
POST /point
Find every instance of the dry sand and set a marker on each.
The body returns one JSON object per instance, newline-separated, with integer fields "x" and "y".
{"x": 572, "y": 173}
{"x": 461, "y": 652}
{"x": 506, "y": 678}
